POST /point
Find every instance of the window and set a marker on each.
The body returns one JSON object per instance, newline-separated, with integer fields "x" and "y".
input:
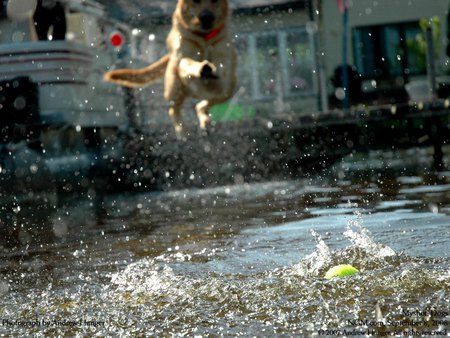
{"x": 387, "y": 51}
{"x": 276, "y": 64}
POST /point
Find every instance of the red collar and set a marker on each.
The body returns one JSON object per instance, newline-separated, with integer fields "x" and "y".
{"x": 211, "y": 35}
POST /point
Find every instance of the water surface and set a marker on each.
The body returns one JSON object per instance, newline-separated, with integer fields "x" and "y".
{"x": 239, "y": 260}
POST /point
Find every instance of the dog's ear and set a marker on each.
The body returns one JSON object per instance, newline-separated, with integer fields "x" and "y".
{"x": 224, "y": 12}
{"x": 181, "y": 14}
{"x": 225, "y": 6}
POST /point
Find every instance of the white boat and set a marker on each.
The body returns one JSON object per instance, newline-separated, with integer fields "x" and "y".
{"x": 69, "y": 78}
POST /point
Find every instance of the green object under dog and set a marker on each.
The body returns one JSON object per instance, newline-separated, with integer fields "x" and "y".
{"x": 342, "y": 270}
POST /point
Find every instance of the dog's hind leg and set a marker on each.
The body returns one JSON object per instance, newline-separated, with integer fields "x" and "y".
{"x": 202, "y": 109}
{"x": 174, "y": 93}
{"x": 177, "y": 121}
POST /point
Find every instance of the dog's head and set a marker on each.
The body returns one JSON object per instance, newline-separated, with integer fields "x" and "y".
{"x": 202, "y": 16}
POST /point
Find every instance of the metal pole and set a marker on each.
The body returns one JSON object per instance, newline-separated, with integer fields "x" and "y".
{"x": 431, "y": 73}
{"x": 345, "y": 103}
{"x": 320, "y": 63}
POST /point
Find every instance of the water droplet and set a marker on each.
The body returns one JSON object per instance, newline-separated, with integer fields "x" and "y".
{"x": 78, "y": 253}
{"x": 61, "y": 229}
{"x": 4, "y": 288}
{"x": 34, "y": 168}
{"x": 20, "y": 103}
{"x": 18, "y": 36}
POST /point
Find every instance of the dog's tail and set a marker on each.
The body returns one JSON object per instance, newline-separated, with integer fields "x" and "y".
{"x": 136, "y": 78}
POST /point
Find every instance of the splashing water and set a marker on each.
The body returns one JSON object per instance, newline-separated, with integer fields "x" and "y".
{"x": 145, "y": 276}
{"x": 248, "y": 274}
{"x": 363, "y": 252}
{"x": 293, "y": 299}
{"x": 363, "y": 239}
{"x": 315, "y": 262}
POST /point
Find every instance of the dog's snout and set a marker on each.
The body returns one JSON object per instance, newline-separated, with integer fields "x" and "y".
{"x": 207, "y": 19}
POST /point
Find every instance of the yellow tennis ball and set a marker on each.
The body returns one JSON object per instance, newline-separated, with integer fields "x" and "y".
{"x": 341, "y": 270}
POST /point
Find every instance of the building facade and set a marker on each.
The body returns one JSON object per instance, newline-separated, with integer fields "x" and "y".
{"x": 386, "y": 43}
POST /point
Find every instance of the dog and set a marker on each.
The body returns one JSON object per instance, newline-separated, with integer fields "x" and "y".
{"x": 200, "y": 63}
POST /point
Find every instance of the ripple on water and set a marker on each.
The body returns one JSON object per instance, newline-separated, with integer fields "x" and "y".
{"x": 263, "y": 280}
{"x": 286, "y": 300}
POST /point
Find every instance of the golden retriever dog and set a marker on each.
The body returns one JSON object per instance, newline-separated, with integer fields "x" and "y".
{"x": 200, "y": 63}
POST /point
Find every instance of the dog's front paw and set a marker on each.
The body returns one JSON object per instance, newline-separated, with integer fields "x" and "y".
{"x": 208, "y": 71}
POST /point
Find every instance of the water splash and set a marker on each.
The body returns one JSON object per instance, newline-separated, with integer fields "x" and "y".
{"x": 201, "y": 284}
{"x": 315, "y": 262}
{"x": 146, "y": 276}
{"x": 362, "y": 238}
{"x": 364, "y": 252}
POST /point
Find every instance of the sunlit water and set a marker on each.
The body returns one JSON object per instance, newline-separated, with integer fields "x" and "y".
{"x": 241, "y": 260}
